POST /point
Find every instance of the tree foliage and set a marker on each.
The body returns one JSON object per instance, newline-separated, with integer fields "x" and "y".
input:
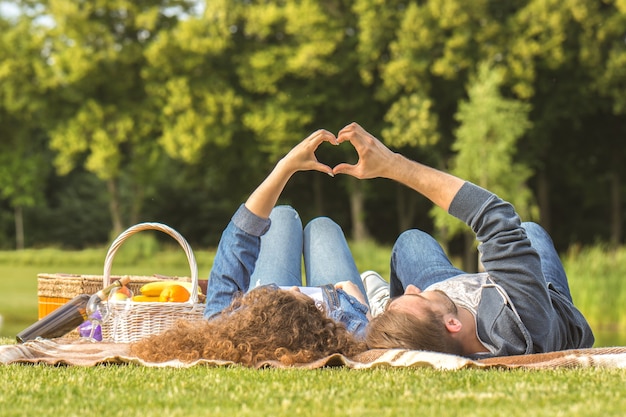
{"x": 172, "y": 110}
{"x": 486, "y": 145}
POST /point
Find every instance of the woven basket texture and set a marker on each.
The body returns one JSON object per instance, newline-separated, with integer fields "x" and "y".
{"x": 130, "y": 321}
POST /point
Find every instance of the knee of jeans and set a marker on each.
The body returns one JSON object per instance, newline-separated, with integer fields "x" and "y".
{"x": 533, "y": 229}
{"x": 321, "y": 223}
{"x": 413, "y": 238}
{"x": 284, "y": 212}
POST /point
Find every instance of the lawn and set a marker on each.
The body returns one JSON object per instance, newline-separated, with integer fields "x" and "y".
{"x": 595, "y": 277}
{"x": 136, "y": 391}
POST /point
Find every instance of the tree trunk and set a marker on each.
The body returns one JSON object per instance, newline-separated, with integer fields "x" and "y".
{"x": 406, "y": 201}
{"x": 114, "y": 207}
{"x": 357, "y": 203}
{"x": 543, "y": 197}
{"x": 137, "y": 203}
{"x": 19, "y": 228}
{"x": 616, "y": 209}
{"x": 318, "y": 195}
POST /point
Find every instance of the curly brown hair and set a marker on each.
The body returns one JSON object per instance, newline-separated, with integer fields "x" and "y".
{"x": 265, "y": 324}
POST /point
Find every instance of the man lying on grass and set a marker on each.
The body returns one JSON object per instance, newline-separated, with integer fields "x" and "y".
{"x": 520, "y": 305}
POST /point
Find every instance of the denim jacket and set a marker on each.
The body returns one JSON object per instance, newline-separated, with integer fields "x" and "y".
{"x": 234, "y": 263}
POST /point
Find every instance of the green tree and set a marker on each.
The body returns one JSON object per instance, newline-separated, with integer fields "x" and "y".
{"x": 489, "y": 129}
{"x": 23, "y": 154}
{"x": 102, "y": 118}
{"x": 436, "y": 44}
{"x": 564, "y": 56}
{"x": 263, "y": 74}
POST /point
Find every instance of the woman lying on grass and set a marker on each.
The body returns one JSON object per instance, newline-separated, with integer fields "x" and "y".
{"x": 260, "y": 256}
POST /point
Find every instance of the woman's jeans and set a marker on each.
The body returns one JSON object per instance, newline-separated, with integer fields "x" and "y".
{"x": 327, "y": 257}
{"x": 419, "y": 260}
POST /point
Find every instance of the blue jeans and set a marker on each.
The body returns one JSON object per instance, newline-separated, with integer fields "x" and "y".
{"x": 418, "y": 259}
{"x": 327, "y": 257}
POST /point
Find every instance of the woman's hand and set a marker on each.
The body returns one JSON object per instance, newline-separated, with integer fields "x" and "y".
{"x": 302, "y": 156}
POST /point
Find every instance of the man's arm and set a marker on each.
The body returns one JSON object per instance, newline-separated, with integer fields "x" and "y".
{"x": 507, "y": 253}
{"x": 376, "y": 160}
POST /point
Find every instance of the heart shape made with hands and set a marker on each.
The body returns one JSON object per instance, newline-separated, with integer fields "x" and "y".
{"x": 328, "y": 154}
{"x": 372, "y": 156}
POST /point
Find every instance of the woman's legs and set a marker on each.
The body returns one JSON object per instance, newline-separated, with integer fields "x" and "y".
{"x": 551, "y": 265}
{"x": 418, "y": 259}
{"x": 327, "y": 257}
{"x": 280, "y": 256}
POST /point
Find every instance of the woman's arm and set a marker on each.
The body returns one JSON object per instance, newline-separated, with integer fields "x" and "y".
{"x": 300, "y": 158}
{"x": 239, "y": 245}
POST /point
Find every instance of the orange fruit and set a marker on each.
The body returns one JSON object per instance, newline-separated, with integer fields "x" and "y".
{"x": 174, "y": 293}
{"x": 120, "y": 294}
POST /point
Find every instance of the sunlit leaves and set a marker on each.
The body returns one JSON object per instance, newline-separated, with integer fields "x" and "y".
{"x": 412, "y": 123}
{"x": 95, "y": 132}
{"x": 191, "y": 119}
{"x": 486, "y": 144}
{"x": 377, "y": 26}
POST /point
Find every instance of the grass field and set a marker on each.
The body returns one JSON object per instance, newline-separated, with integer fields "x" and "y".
{"x": 133, "y": 391}
{"x": 596, "y": 281}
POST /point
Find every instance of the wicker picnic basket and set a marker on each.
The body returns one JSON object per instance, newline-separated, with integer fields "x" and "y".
{"x": 130, "y": 321}
{"x": 55, "y": 290}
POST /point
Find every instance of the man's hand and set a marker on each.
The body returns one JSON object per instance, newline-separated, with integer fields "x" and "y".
{"x": 375, "y": 159}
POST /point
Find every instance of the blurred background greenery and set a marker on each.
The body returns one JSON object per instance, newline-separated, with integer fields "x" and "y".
{"x": 117, "y": 112}
{"x": 595, "y": 277}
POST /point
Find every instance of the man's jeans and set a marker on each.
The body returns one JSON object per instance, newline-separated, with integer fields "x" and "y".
{"x": 327, "y": 257}
{"x": 418, "y": 259}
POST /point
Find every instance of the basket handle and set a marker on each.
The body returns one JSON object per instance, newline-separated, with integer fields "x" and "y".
{"x": 108, "y": 261}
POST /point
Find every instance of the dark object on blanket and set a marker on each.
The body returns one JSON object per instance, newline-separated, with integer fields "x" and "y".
{"x": 58, "y": 323}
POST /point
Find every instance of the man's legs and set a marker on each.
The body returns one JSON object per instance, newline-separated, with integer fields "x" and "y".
{"x": 280, "y": 256}
{"x": 418, "y": 259}
{"x": 551, "y": 265}
{"x": 327, "y": 257}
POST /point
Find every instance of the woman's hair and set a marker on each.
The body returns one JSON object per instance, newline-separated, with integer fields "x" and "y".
{"x": 265, "y": 324}
{"x": 397, "y": 329}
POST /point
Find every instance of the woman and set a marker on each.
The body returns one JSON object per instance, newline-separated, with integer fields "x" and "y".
{"x": 260, "y": 254}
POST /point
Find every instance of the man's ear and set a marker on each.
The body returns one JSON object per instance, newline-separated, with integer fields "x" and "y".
{"x": 453, "y": 324}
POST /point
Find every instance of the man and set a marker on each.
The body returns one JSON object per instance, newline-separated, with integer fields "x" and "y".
{"x": 520, "y": 305}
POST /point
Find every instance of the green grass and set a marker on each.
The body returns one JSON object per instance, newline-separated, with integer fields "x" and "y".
{"x": 136, "y": 391}
{"x": 596, "y": 283}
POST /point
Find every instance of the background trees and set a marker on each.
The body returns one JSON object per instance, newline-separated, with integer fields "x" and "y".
{"x": 114, "y": 112}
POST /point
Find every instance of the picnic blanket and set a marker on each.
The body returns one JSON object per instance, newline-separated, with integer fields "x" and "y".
{"x": 80, "y": 352}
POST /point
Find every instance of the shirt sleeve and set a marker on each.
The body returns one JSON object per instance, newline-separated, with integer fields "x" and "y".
{"x": 234, "y": 262}
{"x": 351, "y": 313}
{"x": 507, "y": 256}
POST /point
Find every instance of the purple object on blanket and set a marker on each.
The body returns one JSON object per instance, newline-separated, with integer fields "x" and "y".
{"x": 85, "y": 329}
